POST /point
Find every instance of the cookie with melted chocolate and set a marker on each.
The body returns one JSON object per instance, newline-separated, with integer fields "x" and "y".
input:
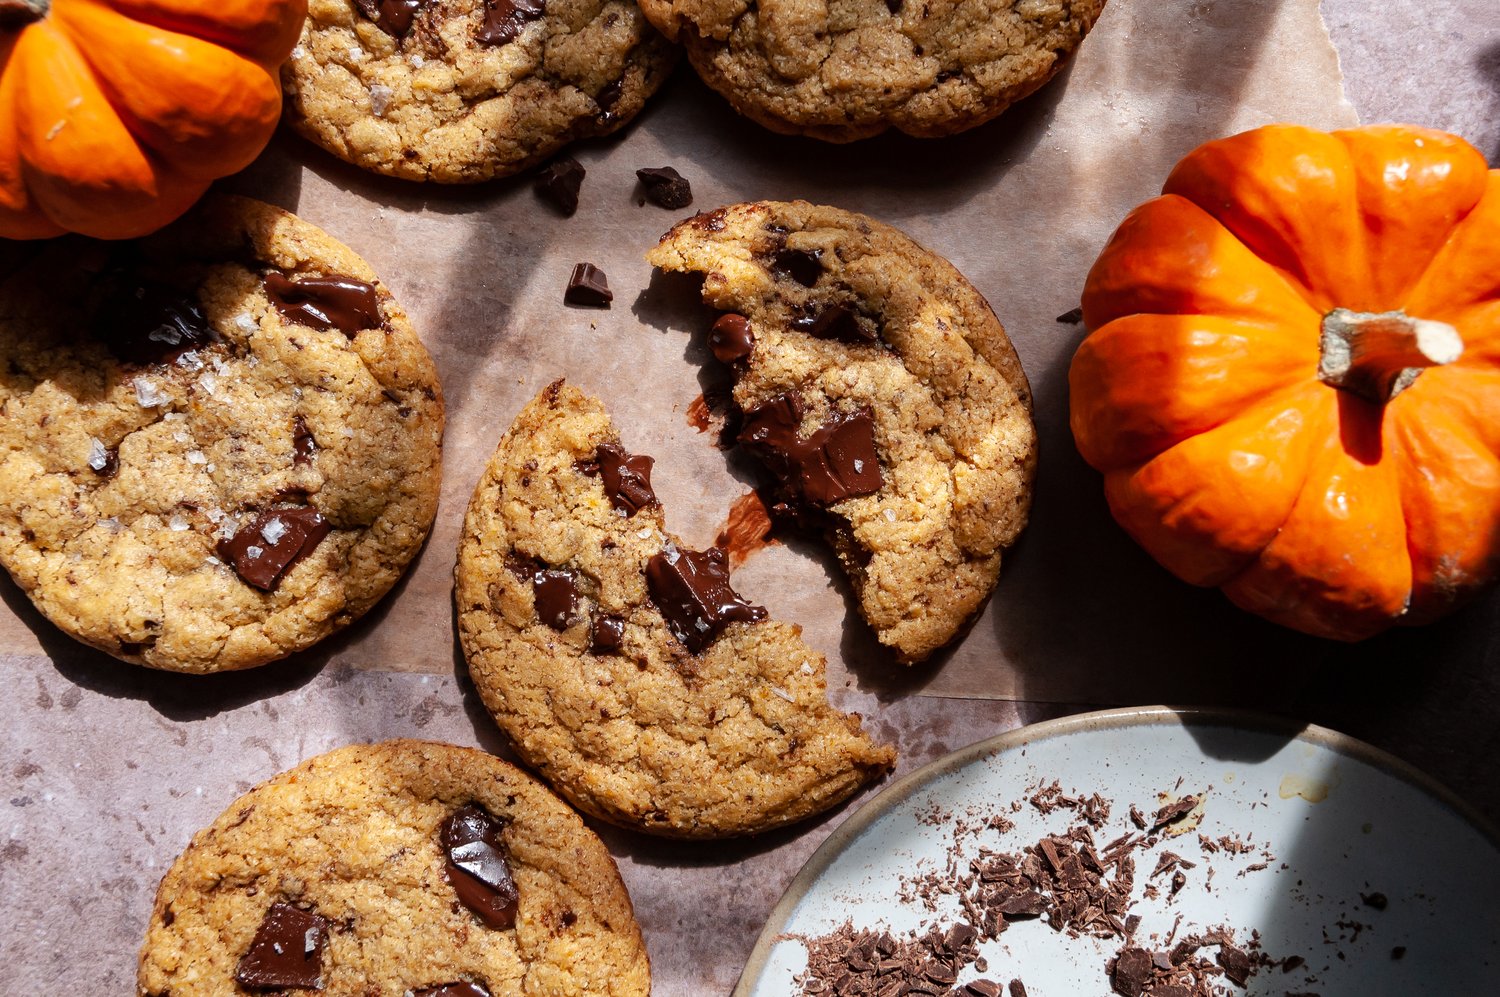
{"x": 624, "y": 666}
{"x": 468, "y": 90}
{"x": 400, "y": 868}
{"x": 882, "y": 396}
{"x": 222, "y": 446}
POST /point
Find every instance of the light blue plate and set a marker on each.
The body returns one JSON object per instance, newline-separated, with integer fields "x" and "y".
{"x": 1338, "y": 817}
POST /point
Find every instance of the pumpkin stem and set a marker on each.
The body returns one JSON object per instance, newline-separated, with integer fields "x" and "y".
{"x": 15, "y": 13}
{"x": 1377, "y": 355}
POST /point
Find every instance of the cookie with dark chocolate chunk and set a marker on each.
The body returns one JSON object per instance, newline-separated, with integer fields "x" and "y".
{"x": 221, "y": 443}
{"x": 624, "y": 666}
{"x": 882, "y": 395}
{"x": 400, "y": 868}
{"x": 467, "y": 90}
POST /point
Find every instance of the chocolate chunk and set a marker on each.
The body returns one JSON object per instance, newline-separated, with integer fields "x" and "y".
{"x": 146, "y": 322}
{"x": 837, "y": 322}
{"x": 303, "y": 444}
{"x": 1235, "y": 962}
{"x": 1072, "y": 317}
{"x": 521, "y": 566}
{"x": 271, "y": 544}
{"x": 1131, "y": 973}
{"x": 588, "y": 286}
{"x": 504, "y": 20}
{"x": 559, "y": 182}
{"x": 627, "y": 477}
{"x": 394, "y": 17}
{"x": 287, "y": 950}
{"x": 335, "y": 302}
{"x": 452, "y": 990}
{"x": 556, "y": 593}
{"x": 1017, "y": 988}
{"x": 731, "y": 338}
{"x": 606, "y": 633}
{"x": 836, "y": 462}
{"x": 477, "y": 866}
{"x": 1399, "y": 952}
{"x": 1376, "y": 900}
{"x": 692, "y": 591}
{"x": 801, "y": 265}
{"x": 607, "y": 98}
{"x": 982, "y": 988}
{"x": 894, "y": 6}
{"x": 666, "y": 187}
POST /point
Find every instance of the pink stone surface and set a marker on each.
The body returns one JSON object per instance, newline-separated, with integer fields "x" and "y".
{"x": 104, "y": 764}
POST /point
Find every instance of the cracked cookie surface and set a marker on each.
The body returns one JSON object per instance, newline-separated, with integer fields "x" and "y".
{"x": 849, "y": 315}
{"x": 459, "y": 91}
{"x": 733, "y": 739}
{"x": 356, "y": 837}
{"x": 165, "y": 421}
{"x": 842, "y": 70}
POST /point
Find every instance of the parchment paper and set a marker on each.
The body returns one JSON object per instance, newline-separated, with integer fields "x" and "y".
{"x": 110, "y": 769}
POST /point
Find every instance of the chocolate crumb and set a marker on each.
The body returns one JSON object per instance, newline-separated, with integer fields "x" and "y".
{"x": 588, "y": 286}
{"x": 1072, "y": 316}
{"x": 560, "y": 181}
{"x": 1376, "y": 900}
{"x": 665, "y": 187}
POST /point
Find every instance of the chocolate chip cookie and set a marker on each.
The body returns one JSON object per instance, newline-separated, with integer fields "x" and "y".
{"x": 396, "y": 869}
{"x": 458, "y": 91}
{"x": 879, "y": 388}
{"x": 847, "y": 69}
{"x": 623, "y": 665}
{"x": 220, "y": 444}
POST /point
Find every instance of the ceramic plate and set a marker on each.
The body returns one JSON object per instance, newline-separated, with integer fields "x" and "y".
{"x": 1333, "y": 819}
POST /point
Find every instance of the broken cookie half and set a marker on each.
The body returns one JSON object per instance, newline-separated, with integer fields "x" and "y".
{"x": 623, "y": 665}
{"x": 882, "y": 393}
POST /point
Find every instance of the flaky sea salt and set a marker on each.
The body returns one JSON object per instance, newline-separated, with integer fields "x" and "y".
{"x": 177, "y": 524}
{"x": 190, "y": 361}
{"x": 98, "y": 456}
{"x": 859, "y": 466}
{"x": 253, "y": 551}
{"x": 181, "y": 437}
{"x": 806, "y": 669}
{"x": 348, "y": 433}
{"x": 148, "y": 394}
{"x": 210, "y": 559}
{"x": 417, "y": 62}
{"x": 299, "y": 52}
{"x": 356, "y": 55}
{"x": 380, "y": 99}
{"x": 245, "y": 323}
{"x": 196, "y": 457}
{"x": 890, "y": 515}
{"x": 273, "y": 531}
{"x": 208, "y": 382}
{"x": 645, "y": 534}
{"x": 778, "y": 690}
{"x": 111, "y": 524}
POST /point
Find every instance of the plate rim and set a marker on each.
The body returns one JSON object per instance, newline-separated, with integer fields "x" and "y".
{"x": 1110, "y": 719}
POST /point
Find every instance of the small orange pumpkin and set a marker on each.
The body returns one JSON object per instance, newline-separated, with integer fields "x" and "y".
{"x": 115, "y": 115}
{"x": 1292, "y": 376}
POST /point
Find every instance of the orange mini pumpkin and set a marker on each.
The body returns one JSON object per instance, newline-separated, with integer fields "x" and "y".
{"x": 115, "y": 115}
{"x": 1292, "y": 376}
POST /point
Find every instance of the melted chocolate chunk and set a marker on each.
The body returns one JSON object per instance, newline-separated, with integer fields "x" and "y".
{"x": 666, "y": 187}
{"x": 588, "y": 286}
{"x": 836, "y": 462}
{"x": 555, "y": 591}
{"x": 477, "y": 866}
{"x": 560, "y": 181}
{"x": 452, "y": 990}
{"x": 394, "y": 17}
{"x": 605, "y": 634}
{"x": 894, "y": 6}
{"x": 303, "y": 444}
{"x": 504, "y": 20}
{"x": 146, "y": 322}
{"x": 692, "y": 591}
{"x": 608, "y": 98}
{"x": 287, "y": 950}
{"x": 731, "y": 338}
{"x": 267, "y": 547}
{"x": 801, "y": 265}
{"x": 341, "y": 303}
{"x": 627, "y": 477}
{"x": 838, "y": 322}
